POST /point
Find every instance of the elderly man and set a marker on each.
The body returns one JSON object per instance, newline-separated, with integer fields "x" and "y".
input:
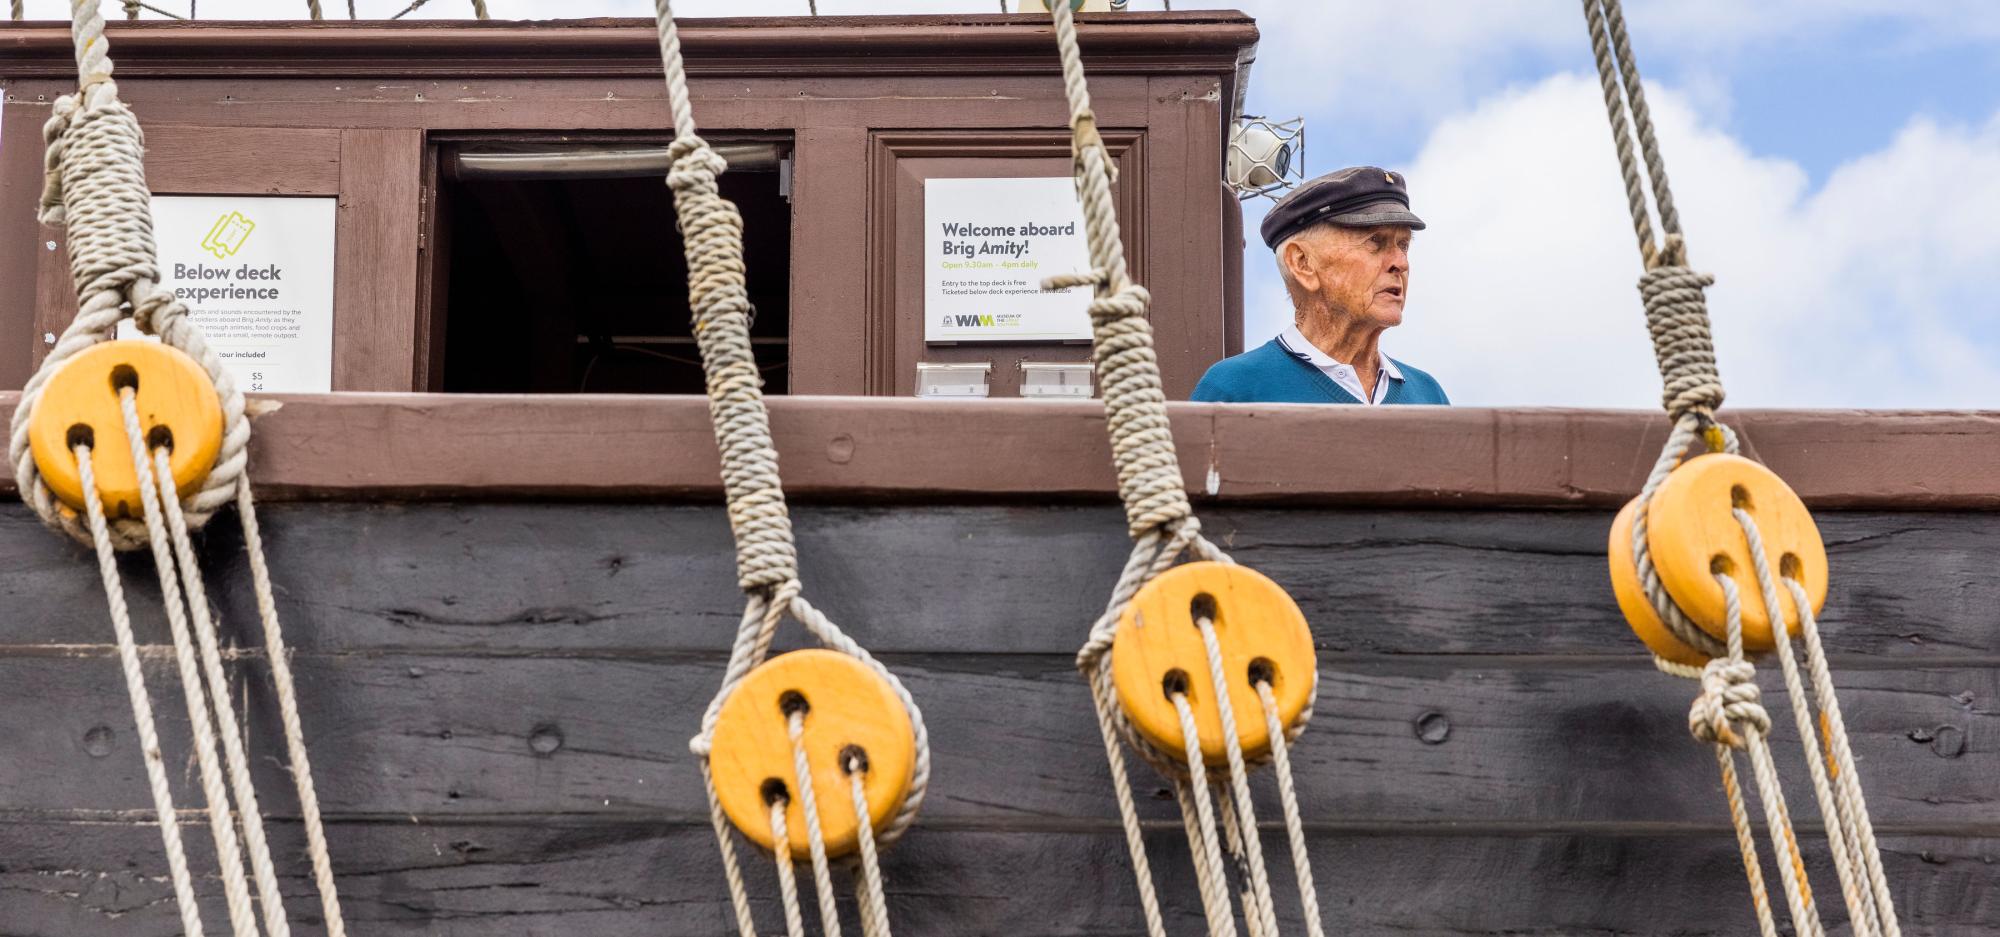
{"x": 1343, "y": 247}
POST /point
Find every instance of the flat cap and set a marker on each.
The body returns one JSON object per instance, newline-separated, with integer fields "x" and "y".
{"x": 1356, "y": 197}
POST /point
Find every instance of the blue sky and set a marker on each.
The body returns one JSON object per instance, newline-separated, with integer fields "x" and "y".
{"x": 1837, "y": 164}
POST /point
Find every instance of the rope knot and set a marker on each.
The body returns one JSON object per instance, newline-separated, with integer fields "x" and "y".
{"x": 693, "y": 157}
{"x": 1677, "y": 317}
{"x": 1730, "y": 702}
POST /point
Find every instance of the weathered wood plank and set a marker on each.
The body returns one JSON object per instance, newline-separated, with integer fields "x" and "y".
{"x": 601, "y": 579}
{"x": 1014, "y": 744}
{"x": 445, "y": 879}
{"x": 367, "y": 447}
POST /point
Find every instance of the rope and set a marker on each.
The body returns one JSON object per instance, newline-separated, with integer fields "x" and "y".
{"x": 788, "y": 885}
{"x": 1258, "y": 884}
{"x": 1676, "y": 309}
{"x": 766, "y": 558}
{"x": 829, "y": 912}
{"x": 1214, "y": 879}
{"x": 18, "y": 12}
{"x": 874, "y": 910}
{"x": 1163, "y": 528}
{"x": 95, "y": 187}
{"x": 236, "y": 889}
{"x": 241, "y": 787}
{"x": 1850, "y": 835}
{"x": 312, "y": 8}
{"x": 1288, "y": 798}
{"x": 479, "y": 10}
{"x": 280, "y": 660}
{"x": 142, "y": 703}
{"x": 1727, "y": 712}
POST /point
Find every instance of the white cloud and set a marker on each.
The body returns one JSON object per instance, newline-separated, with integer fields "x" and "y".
{"x": 1878, "y": 289}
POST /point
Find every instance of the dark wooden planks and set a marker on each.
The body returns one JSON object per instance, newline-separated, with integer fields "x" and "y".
{"x": 449, "y": 879}
{"x": 1013, "y": 742}
{"x": 638, "y": 578}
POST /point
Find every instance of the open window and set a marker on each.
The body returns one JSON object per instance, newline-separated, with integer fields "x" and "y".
{"x": 560, "y": 268}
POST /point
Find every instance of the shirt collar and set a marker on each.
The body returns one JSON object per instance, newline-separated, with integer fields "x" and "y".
{"x": 1294, "y": 342}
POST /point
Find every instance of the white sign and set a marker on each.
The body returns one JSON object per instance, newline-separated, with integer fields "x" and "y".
{"x": 988, "y": 243}
{"x": 256, "y": 274}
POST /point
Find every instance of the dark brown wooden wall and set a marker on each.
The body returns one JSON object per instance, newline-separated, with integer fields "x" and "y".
{"x": 872, "y": 106}
{"x": 1491, "y": 754}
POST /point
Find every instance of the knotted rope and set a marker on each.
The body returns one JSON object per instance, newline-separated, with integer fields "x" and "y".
{"x": 1163, "y": 527}
{"x": 766, "y": 559}
{"x": 1729, "y": 713}
{"x": 95, "y": 187}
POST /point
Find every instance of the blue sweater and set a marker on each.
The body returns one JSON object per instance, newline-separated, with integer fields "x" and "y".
{"x": 1269, "y": 374}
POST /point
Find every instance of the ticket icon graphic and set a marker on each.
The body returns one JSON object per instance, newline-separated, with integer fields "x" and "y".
{"x": 227, "y": 235}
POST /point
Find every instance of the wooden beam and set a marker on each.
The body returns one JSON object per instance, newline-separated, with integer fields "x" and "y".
{"x": 1150, "y": 43}
{"x": 840, "y": 448}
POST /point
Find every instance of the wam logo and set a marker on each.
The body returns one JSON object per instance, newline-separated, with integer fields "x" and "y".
{"x": 226, "y": 237}
{"x": 971, "y": 322}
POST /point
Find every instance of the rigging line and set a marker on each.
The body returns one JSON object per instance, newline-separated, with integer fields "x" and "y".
{"x": 242, "y": 789}
{"x": 1259, "y": 884}
{"x": 221, "y": 819}
{"x": 280, "y": 662}
{"x": 414, "y": 4}
{"x": 313, "y": 10}
{"x": 1214, "y": 878}
{"x": 142, "y": 704}
{"x": 868, "y": 892}
{"x": 829, "y": 910}
{"x": 788, "y": 885}
{"x": 1288, "y": 797}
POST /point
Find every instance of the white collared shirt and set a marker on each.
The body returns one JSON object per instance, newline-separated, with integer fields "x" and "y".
{"x": 1294, "y": 343}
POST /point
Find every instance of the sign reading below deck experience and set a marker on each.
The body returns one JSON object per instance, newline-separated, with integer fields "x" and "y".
{"x": 988, "y": 243}
{"x": 257, "y": 276}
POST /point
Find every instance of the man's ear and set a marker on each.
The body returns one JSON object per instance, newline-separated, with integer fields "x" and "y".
{"x": 1297, "y": 259}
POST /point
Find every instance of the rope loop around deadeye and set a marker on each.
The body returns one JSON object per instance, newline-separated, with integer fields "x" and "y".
{"x": 752, "y": 789}
{"x": 1211, "y": 785}
{"x": 81, "y": 407}
{"x": 95, "y": 188}
{"x": 1693, "y": 544}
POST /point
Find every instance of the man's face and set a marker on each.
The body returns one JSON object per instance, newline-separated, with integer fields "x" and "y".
{"x": 1363, "y": 273}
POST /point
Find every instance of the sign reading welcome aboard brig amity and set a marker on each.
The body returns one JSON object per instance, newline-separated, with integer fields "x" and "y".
{"x": 256, "y": 274}
{"x": 988, "y": 243}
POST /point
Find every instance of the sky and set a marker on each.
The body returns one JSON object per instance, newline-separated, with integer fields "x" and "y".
{"x": 1836, "y": 164}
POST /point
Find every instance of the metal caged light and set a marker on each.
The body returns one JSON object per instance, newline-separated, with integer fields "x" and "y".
{"x": 1266, "y": 157}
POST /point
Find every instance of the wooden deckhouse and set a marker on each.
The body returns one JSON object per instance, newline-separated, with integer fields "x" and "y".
{"x": 511, "y": 590}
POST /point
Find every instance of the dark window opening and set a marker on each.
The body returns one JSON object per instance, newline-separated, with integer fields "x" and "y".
{"x": 562, "y": 269}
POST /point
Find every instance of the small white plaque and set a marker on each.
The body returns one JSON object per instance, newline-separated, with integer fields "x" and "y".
{"x": 256, "y": 274}
{"x": 1056, "y": 379}
{"x": 968, "y": 379}
{"x": 988, "y": 243}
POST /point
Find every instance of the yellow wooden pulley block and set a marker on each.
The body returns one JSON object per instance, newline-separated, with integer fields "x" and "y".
{"x": 1158, "y": 649}
{"x": 848, "y": 708}
{"x": 1693, "y": 535}
{"x": 177, "y": 405}
{"x": 1632, "y": 599}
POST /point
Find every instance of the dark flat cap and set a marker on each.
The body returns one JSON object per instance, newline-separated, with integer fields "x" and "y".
{"x": 1356, "y": 197}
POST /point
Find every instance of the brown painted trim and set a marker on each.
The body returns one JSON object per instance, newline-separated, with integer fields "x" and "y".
{"x": 21, "y": 246}
{"x": 403, "y": 446}
{"x": 375, "y": 329}
{"x": 1151, "y": 42}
